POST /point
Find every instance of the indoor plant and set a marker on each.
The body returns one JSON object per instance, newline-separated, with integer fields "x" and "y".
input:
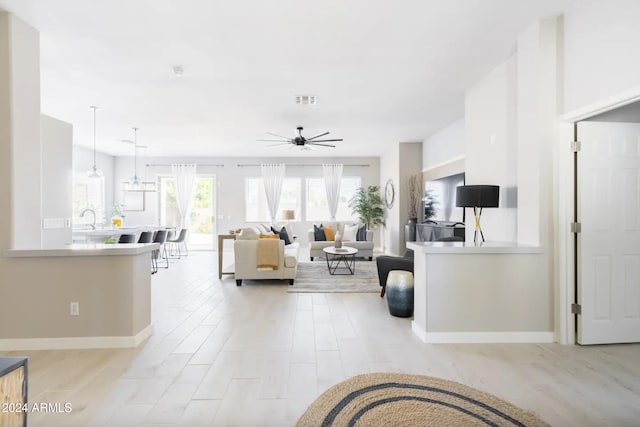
{"x": 367, "y": 205}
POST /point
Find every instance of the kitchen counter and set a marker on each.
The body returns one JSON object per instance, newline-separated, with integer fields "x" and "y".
{"x": 85, "y": 249}
{"x": 77, "y": 296}
{"x": 472, "y": 248}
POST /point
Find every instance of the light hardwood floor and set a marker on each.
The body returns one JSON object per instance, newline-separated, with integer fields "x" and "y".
{"x": 257, "y": 355}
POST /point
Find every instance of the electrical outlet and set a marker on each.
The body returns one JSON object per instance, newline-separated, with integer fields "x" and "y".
{"x": 74, "y": 309}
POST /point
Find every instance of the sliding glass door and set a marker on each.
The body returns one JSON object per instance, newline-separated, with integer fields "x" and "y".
{"x": 203, "y": 213}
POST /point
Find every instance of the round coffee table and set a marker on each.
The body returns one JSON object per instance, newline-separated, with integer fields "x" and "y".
{"x": 341, "y": 259}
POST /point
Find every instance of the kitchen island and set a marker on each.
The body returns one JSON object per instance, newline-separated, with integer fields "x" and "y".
{"x": 77, "y": 296}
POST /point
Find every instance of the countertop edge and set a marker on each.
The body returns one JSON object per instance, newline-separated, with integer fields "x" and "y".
{"x": 84, "y": 250}
{"x": 462, "y": 248}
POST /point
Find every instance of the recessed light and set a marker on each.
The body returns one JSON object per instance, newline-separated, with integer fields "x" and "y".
{"x": 306, "y": 100}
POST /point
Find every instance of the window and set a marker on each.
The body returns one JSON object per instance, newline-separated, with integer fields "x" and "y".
{"x": 317, "y": 206}
{"x": 256, "y": 209}
{"x": 88, "y": 193}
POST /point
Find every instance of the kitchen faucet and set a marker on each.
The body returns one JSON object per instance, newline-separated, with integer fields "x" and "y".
{"x": 93, "y": 225}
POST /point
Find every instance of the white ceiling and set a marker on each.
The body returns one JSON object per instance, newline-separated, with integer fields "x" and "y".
{"x": 383, "y": 71}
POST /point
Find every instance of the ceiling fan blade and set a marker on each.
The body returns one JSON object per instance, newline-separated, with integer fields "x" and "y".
{"x": 282, "y": 143}
{"x": 323, "y": 145}
{"x": 128, "y": 141}
{"x": 328, "y": 140}
{"x": 274, "y": 140}
{"x": 317, "y": 136}
{"x": 279, "y": 136}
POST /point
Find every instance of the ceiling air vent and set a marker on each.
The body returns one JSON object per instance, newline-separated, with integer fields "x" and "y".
{"x": 306, "y": 99}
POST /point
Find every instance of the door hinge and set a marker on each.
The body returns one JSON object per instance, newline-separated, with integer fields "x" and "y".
{"x": 576, "y": 309}
{"x": 576, "y": 227}
{"x": 576, "y": 146}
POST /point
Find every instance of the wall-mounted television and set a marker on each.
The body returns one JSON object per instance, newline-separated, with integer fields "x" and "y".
{"x": 444, "y": 192}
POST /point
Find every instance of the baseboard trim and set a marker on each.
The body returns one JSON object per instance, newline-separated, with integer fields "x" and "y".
{"x": 481, "y": 337}
{"x": 68, "y": 343}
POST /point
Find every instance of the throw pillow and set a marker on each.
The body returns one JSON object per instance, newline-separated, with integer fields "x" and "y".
{"x": 361, "y": 236}
{"x": 329, "y": 233}
{"x": 248, "y": 233}
{"x": 269, "y": 236}
{"x": 283, "y": 235}
{"x": 349, "y": 234}
{"x": 318, "y": 233}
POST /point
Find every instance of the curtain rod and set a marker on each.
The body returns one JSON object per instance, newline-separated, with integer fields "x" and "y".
{"x": 153, "y": 165}
{"x": 248, "y": 165}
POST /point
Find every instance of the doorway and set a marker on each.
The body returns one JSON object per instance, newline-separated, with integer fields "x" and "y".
{"x": 607, "y": 249}
{"x": 202, "y": 226}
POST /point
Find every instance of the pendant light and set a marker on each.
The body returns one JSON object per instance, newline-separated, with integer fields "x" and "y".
{"x": 135, "y": 184}
{"x": 94, "y": 172}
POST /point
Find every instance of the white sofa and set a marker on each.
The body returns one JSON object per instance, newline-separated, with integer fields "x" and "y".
{"x": 364, "y": 247}
{"x": 245, "y": 254}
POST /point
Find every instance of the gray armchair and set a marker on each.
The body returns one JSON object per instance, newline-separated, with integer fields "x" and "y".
{"x": 387, "y": 263}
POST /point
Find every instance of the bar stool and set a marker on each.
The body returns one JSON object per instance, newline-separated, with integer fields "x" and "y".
{"x": 127, "y": 238}
{"x": 146, "y": 237}
{"x": 175, "y": 244}
{"x": 161, "y": 238}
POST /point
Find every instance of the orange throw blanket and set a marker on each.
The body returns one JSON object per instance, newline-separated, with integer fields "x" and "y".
{"x": 268, "y": 255}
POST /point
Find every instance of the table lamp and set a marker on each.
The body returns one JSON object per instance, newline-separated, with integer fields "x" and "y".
{"x": 477, "y": 197}
{"x": 288, "y": 214}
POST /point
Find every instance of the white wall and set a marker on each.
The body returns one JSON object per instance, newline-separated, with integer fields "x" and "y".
{"x": 230, "y": 180}
{"x": 490, "y": 148}
{"x": 23, "y": 60}
{"x": 444, "y": 146}
{"x": 57, "y": 149}
{"x": 600, "y": 50}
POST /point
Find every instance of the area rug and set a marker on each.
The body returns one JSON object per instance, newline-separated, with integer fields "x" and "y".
{"x": 313, "y": 276}
{"x": 390, "y": 399}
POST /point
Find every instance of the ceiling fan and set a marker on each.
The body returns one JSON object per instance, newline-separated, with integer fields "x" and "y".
{"x": 301, "y": 141}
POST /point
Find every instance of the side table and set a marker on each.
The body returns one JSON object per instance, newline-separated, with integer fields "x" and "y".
{"x": 221, "y": 239}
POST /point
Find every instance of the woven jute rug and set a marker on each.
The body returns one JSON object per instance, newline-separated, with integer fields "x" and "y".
{"x": 390, "y": 399}
{"x": 313, "y": 276}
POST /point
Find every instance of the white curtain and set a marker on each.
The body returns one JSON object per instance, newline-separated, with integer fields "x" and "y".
{"x": 184, "y": 177}
{"x": 332, "y": 179}
{"x": 273, "y": 177}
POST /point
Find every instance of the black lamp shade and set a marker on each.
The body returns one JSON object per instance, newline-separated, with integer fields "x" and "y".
{"x": 479, "y": 196}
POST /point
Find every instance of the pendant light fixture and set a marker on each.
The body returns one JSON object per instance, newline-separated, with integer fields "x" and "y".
{"x": 135, "y": 184}
{"x": 94, "y": 172}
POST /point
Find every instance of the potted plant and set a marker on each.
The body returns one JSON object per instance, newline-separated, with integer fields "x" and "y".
{"x": 367, "y": 205}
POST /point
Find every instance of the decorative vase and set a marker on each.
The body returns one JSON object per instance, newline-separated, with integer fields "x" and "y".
{"x": 410, "y": 230}
{"x": 399, "y": 292}
{"x": 337, "y": 241}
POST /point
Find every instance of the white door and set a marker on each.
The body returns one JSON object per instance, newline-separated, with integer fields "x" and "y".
{"x": 609, "y": 242}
